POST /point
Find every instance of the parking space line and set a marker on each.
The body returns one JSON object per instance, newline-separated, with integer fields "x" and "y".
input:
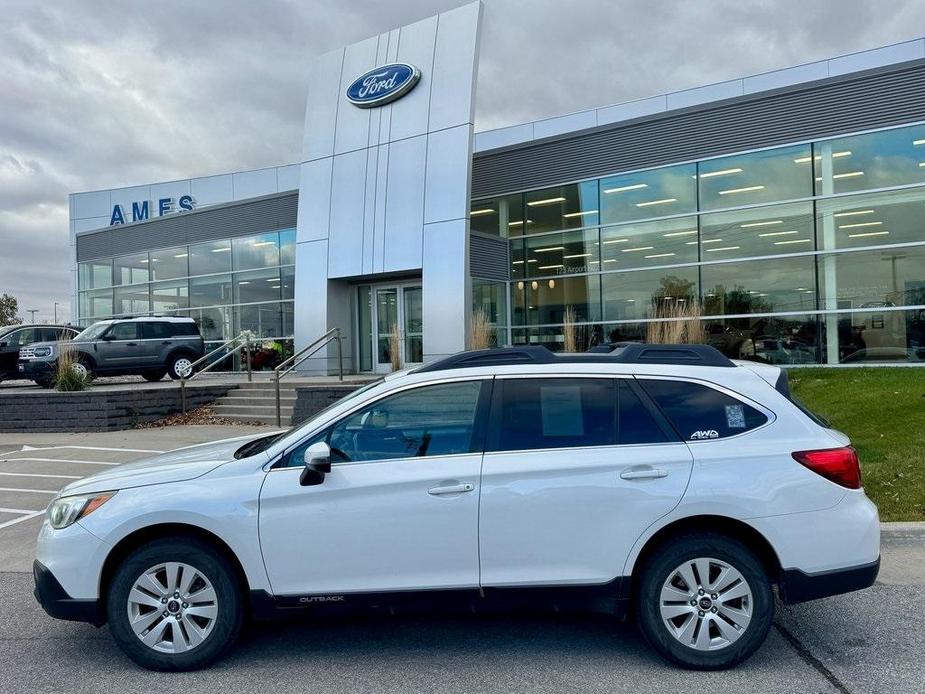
{"x": 18, "y": 510}
{"x": 28, "y": 491}
{"x": 57, "y": 460}
{"x": 29, "y": 514}
{"x": 39, "y": 474}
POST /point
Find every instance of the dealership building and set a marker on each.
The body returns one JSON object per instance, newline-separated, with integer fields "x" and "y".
{"x": 787, "y": 209}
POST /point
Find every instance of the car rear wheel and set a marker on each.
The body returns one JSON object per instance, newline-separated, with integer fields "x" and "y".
{"x": 704, "y": 601}
{"x": 174, "y": 605}
{"x": 179, "y": 366}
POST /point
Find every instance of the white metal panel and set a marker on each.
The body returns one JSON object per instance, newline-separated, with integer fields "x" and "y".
{"x": 632, "y": 109}
{"x": 251, "y": 184}
{"x": 311, "y": 283}
{"x": 878, "y": 57}
{"x": 502, "y": 137}
{"x": 784, "y": 78}
{"x": 373, "y": 251}
{"x": 287, "y": 177}
{"x": 90, "y": 223}
{"x": 453, "y": 88}
{"x": 126, "y": 196}
{"x": 564, "y": 124}
{"x": 447, "y": 183}
{"x": 321, "y": 109}
{"x": 212, "y": 190}
{"x": 348, "y": 183}
{"x": 404, "y": 225}
{"x": 409, "y": 115}
{"x": 95, "y": 204}
{"x": 369, "y": 201}
{"x": 352, "y": 130}
{"x": 447, "y": 303}
{"x": 173, "y": 190}
{"x": 702, "y": 95}
{"x": 314, "y": 213}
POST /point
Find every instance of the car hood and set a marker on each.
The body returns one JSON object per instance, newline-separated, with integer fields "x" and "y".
{"x": 175, "y": 466}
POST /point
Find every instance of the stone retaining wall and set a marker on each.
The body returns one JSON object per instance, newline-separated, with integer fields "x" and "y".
{"x": 99, "y": 410}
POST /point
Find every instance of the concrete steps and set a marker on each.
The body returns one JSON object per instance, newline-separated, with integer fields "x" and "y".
{"x": 256, "y": 402}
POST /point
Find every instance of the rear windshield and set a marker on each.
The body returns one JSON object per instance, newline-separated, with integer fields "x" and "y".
{"x": 185, "y": 328}
{"x": 783, "y": 387}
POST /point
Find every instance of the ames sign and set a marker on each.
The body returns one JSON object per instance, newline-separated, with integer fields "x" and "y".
{"x": 141, "y": 211}
{"x": 383, "y": 85}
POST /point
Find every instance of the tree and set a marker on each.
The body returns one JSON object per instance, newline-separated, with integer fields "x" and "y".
{"x": 9, "y": 307}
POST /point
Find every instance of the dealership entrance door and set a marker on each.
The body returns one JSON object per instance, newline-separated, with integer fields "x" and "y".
{"x": 383, "y": 309}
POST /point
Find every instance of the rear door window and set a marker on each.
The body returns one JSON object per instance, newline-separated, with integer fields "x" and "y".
{"x": 637, "y": 423}
{"x": 156, "y": 331}
{"x": 535, "y": 413}
{"x": 699, "y": 412}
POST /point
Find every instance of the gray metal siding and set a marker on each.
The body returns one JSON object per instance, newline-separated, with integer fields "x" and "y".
{"x": 489, "y": 257}
{"x": 821, "y": 109}
{"x": 267, "y": 213}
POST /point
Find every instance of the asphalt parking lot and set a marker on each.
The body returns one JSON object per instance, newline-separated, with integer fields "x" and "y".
{"x": 870, "y": 641}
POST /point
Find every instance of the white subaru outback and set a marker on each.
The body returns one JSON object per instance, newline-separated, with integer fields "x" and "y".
{"x": 664, "y": 482}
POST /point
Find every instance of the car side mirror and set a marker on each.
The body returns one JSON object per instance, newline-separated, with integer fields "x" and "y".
{"x": 317, "y": 464}
{"x": 107, "y": 337}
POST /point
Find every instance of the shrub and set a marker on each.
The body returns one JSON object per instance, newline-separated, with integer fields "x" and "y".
{"x": 677, "y": 323}
{"x": 66, "y": 378}
{"x": 480, "y": 332}
{"x": 395, "y": 347}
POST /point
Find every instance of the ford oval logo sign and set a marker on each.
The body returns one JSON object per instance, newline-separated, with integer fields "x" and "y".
{"x": 382, "y": 85}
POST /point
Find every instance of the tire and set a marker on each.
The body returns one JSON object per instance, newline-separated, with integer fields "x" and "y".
{"x": 176, "y": 364}
{"x": 202, "y": 637}
{"x": 153, "y": 376}
{"x": 43, "y": 382}
{"x": 684, "y": 642}
{"x": 83, "y": 366}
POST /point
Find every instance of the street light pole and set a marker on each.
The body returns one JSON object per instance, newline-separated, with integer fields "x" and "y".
{"x": 33, "y": 311}
{"x": 56, "y": 313}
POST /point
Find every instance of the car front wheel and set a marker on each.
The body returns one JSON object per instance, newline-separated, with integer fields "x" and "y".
{"x": 704, "y": 601}
{"x": 175, "y": 604}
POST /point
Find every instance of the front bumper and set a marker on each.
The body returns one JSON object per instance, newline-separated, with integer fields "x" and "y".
{"x": 797, "y": 586}
{"x": 58, "y": 604}
{"x": 36, "y": 368}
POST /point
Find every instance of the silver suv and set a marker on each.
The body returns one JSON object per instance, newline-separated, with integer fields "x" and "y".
{"x": 149, "y": 347}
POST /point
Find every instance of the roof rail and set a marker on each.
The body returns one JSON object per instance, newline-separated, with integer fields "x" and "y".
{"x": 622, "y": 353}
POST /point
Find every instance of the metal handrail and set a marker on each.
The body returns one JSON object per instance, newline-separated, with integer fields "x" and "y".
{"x": 288, "y": 365}
{"x": 245, "y": 343}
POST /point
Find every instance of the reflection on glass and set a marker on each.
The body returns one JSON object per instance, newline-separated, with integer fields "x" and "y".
{"x": 365, "y": 305}
{"x": 637, "y": 295}
{"x": 96, "y": 303}
{"x": 769, "y": 339}
{"x": 210, "y": 291}
{"x": 757, "y": 231}
{"x": 498, "y": 216}
{"x": 871, "y": 220}
{"x": 881, "y": 337}
{"x": 206, "y": 258}
{"x": 253, "y": 252}
{"x": 561, "y": 254}
{"x": 666, "y": 242}
{"x": 214, "y": 323}
{"x": 130, "y": 269}
{"x": 258, "y": 285}
{"x": 873, "y": 160}
{"x": 759, "y": 286}
{"x": 287, "y": 282}
{"x": 169, "y": 297}
{"x": 553, "y": 337}
{"x": 563, "y": 207}
{"x": 873, "y": 279}
{"x": 263, "y": 320}
{"x": 96, "y": 274}
{"x": 131, "y": 301}
{"x": 748, "y": 179}
{"x": 169, "y": 263}
{"x": 491, "y": 299}
{"x": 414, "y": 325}
{"x": 546, "y": 300}
{"x": 386, "y": 317}
{"x": 646, "y": 194}
{"x": 287, "y": 247}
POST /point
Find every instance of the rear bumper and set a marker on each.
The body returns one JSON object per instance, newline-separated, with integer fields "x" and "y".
{"x": 57, "y": 603}
{"x": 797, "y": 586}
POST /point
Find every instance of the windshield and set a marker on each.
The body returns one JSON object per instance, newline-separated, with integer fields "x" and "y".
{"x": 91, "y": 333}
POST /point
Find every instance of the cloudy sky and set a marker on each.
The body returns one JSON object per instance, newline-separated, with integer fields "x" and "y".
{"x": 105, "y": 93}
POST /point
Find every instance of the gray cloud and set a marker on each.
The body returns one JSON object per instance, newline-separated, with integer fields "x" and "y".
{"x": 98, "y": 94}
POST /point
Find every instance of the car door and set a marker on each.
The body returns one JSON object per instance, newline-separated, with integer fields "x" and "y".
{"x": 575, "y": 469}
{"x": 157, "y": 342}
{"x": 10, "y": 344}
{"x": 120, "y": 348}
{"x": 399, "y": 509}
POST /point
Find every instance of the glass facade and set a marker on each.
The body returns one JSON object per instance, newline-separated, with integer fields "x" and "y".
{"x": 227, "y": 286}
{"x": 808, "y": 253}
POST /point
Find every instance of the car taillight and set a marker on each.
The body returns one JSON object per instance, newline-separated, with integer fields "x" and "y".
{"x": 839, "y": 465}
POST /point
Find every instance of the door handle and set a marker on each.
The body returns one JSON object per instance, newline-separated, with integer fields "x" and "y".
{"x": 451, "y": 489}
{"x": 647, "y": 474}
{"x": 131, "y": 344}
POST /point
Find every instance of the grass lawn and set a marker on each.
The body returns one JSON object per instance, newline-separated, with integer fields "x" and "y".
{"x": 883, "y": 411}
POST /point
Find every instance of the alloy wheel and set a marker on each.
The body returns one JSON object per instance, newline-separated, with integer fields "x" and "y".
{"x": 706, "y": 604}
{"x": 172, "y": 607}
{"x": 182, "y": 367}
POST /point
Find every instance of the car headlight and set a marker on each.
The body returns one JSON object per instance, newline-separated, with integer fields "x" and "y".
{"x": 42, "y": 352}
{"x": 69, "y": 509}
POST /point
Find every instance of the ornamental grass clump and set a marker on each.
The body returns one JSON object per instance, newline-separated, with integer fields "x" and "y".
{"x": 66, "y": 377}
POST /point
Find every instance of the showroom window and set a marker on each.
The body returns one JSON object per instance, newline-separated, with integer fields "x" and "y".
{"x": 646, "y": 194}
